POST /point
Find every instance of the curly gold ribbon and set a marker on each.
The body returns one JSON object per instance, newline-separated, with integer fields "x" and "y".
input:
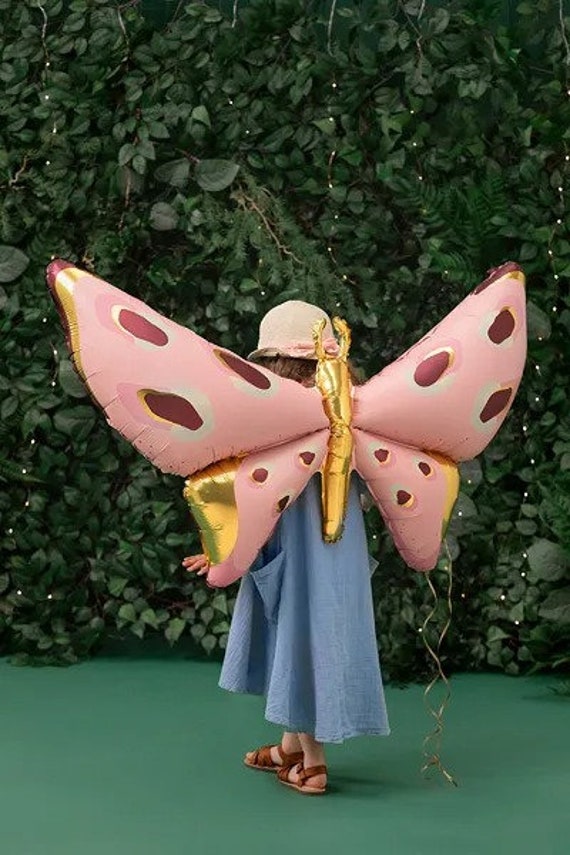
{"x": 432, "y": 742}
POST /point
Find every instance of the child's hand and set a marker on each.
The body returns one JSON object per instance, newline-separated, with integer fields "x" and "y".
{"x": 198, "y": 564}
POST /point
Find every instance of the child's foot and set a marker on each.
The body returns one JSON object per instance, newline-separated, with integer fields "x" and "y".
{"x": 311, "y": 781}
{"x": 269, "y": 758}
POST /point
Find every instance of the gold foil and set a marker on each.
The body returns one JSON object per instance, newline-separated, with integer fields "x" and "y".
{"x": 210, "y": 494}
{"x": 333, "y": 381}
{"x": 451, "y": 475}
{"x": 67, "y": 304}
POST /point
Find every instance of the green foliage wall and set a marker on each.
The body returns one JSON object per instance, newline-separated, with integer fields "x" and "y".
{"x": 385, "y": 162}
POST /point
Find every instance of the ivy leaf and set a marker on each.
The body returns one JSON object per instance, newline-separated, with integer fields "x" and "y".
{"x": 127, "y": 612}
{"x": 556, "y": 606}
{"x": 163, "y": 217}
{"x": 69, "y": 380}
{"x": 200, "y": 114}
{"x": 215, "y": 175}
{"x": 174, "y": 630}
{"x": 13, "y": 262}
{"x": 538, "y": 322}
{"x": 547, "y": 561}
{"x": 174, "y": 172}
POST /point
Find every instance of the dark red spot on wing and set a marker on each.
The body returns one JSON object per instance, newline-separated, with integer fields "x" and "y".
{"x": 431, "y": 369}
{"x": 244, "y": 369}
{"x": 403, "y": 497}
{"x": 502, "y": 327}
{"x": 260, "y": 475}
{"x": 282, "y": 503}
{"x": 174, "y": 409}
{"x": 142, "y": 328}
{"x": 381, "y": 455}
{"x": 425, "y": 468}
{"x": 495, "y": 274}
{"x": 498, "y": 402}
{"x": 307, "y": 457}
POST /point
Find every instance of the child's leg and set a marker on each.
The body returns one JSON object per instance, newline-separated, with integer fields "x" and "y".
{"x": 313, "y": 755}
{"x": 290, "y": 745}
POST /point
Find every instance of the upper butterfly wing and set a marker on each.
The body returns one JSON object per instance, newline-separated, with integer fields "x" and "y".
{"x": 181, "y": 401}
{"x": 451, "y": 391}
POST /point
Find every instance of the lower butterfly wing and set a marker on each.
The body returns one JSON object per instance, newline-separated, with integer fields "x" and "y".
{"x": 181, "y": 401}
{"x": 451, "y": 391}
{"x": 238, "y": 502}
{"x": 415, "y": 492}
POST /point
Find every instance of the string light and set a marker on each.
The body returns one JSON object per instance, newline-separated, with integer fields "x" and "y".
{"x": 19, "y": 593}
{"x": 503, "y": 597}
{"x": 10, "y": 531}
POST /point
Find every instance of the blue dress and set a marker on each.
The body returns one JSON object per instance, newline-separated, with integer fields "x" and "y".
{"x": 303, "y": 632}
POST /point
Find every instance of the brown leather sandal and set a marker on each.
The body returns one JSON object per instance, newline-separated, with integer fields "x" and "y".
{"x": 304, "y": 774}
{"x": 263, "y": 760}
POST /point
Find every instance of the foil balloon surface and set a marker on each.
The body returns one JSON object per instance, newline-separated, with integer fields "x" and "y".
{"x": 247, "y": 441}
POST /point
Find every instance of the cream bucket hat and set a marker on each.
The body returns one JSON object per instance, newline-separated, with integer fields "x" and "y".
{"x": 287, "y": 330}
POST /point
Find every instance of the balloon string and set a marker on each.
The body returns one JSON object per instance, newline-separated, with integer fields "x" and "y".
{"x": 432, "y": 742}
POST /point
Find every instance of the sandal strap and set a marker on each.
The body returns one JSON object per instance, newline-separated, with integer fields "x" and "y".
{"x": 262, "y": 757}
{"x": 289, "y": 759}
{"x": 311, "y": 772}
{"x": 283, "y": 771}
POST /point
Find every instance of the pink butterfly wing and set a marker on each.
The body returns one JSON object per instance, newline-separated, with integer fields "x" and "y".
{"x": 179, "y": 400}
{"x": 266, "y": 483}
{"x": 451, "y": 391}
{"x": 415, "y": 492}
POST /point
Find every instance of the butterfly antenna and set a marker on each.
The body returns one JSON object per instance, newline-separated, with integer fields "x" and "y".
{"x": 345, "y": 336}
{"x": 318, "y": 331}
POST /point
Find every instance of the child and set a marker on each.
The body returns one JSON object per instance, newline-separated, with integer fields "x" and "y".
{"x": 302, "y": 632}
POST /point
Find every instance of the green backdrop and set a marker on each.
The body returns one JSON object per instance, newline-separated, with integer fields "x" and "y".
{"x": 377, "y": 160}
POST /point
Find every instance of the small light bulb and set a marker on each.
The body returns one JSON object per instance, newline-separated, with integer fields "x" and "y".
{"x": 446, "y": 272}
{"x": 550, "y": 253}
{"x": 502, "y": 597}
{"x": 44, "y": 320}
{"x": 263, "y": 293}
{"x": 540, "y": 338}
{"x": 554, "y": 309}
{"x": 48, "y": 162}
{"x": 53, "y": 384}
{"x": 331, "y": 119}
{"x": 50, "y": 596}
{"x": 517, "y": 622}
{"x": 561, "y": 189}
{"x": 420, "y": 629}
{"x": 525, "y": 495}
{"x": 32, "y": 442}
{"x": 46, "y": 97}
{"x": 344, "y": 277}
{"x": 334, "y": 85}
{"x": 558, "y": 222}
{"x": 54, "y": 130}
{"x": 459, "y": 513}
{"x": 10, "y": 531}
{"x": 523, "y": 574}
{"x": 374, "y": 537}
{"x": 556, "y": 277}
{"x": 469, "y": 481}
{"x": 525, "y": 555}
{"x": 19, "y": 593}
{"x": 463, "y": 596}
{"x": 247, "y": 132}
{"x": 230, "y": 101}
{"x": 54, "y": 352}
{"x": 329, "y": 248}
{"x": 532, "y": 461}
{"x": 330, "y": 185}
{"x": 338, "y": 305}
{"x": 525, "y": 428}
{"x": 27, "y": 503}
{"x": 537, "y": 399}
{"x": 412, "y": 112}
{"x": 420, "y": 178}
{"x": 336, "y": 216}
{"x": 567, "y": 157}
{"x": 24, "y": 471}
{"x": 414, "y": 144}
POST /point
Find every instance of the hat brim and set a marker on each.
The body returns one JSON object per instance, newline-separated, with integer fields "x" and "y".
{"x": 272, "y": 352}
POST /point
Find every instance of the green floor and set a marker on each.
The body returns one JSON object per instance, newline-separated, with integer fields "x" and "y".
{"x": 142, "y": 756}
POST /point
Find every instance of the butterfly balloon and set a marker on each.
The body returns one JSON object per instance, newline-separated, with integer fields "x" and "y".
{"x": 247, "y": 441}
